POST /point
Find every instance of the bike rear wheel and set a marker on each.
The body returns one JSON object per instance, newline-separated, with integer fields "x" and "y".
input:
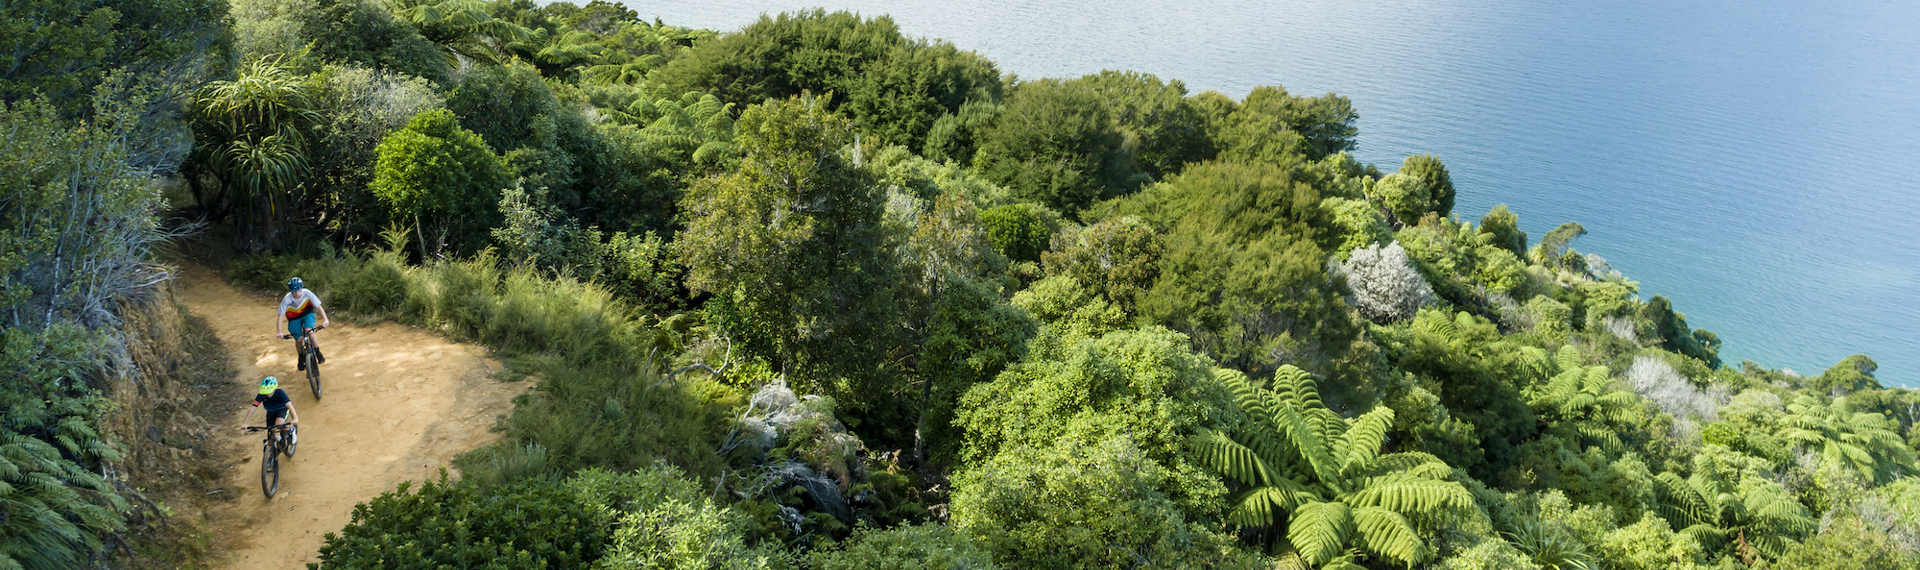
{"x": 269, "y": 469}
{"x": 311, "y": 356}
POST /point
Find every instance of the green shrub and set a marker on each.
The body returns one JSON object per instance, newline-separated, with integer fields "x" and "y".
{"x": 650, "y": 518}
{"x": 1084, "y": 506}
{"x": 1357, "y": 224}
{"x": 923, "y": 547}
{"x": 378, "y": 286}
{"x": 1020, "y": 231}
{"x": 664, "y": 520}
{"x": 55, "y": 504}
{"x": 528, "y": 524}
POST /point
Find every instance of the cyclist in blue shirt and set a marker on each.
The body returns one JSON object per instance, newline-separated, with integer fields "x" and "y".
{"x": 279, "y": 406}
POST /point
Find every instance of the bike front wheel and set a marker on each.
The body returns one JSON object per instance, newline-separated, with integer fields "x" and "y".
{"x": 313, "y": 370}
{"x": 269, "y": 469}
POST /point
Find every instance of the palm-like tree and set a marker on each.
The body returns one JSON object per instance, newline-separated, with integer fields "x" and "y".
{"x": 260, "y": 120}
{"x": 1578, "y": 403}
{"x": 1323, "y": 479}
{"x": 1763, "y": 518}
{"x": 1866, "y": 443}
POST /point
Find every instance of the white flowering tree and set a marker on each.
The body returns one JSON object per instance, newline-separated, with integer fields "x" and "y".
{"x": 1386, "y": 286}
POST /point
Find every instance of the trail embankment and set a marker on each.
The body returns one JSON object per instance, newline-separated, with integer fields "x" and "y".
{"x": 399, "y": 403}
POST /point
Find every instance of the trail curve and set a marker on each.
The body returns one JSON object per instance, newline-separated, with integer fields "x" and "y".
{"x": 398, "y": 404}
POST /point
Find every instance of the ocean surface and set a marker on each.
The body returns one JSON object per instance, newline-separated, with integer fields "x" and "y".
{"x": 1757, "y": 162}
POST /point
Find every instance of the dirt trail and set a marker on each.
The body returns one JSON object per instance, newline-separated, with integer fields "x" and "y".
{"x": 399, "y": 403}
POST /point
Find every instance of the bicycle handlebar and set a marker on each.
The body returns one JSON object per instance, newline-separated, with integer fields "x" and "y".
{"x": 287, "y": 336}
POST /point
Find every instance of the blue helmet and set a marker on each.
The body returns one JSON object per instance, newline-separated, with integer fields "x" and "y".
{"x": 294, "y": 284}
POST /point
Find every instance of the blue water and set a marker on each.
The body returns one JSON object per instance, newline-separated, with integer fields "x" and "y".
{"x": 1754, "y": 161}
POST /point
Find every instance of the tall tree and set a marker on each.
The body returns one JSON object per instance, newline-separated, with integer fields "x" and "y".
{"x": 1056, "y": 144}
{"x": 790, "y": 247}
{"x": 443, "y": 178}
{"x": 1243, "y": 269}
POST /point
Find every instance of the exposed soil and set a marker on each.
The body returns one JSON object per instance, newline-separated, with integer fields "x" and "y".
{"x": 399, "y": 403}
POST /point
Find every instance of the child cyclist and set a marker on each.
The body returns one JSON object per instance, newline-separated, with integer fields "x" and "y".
{"x": 279, "y": 406}
{"x": 298, "y": 308}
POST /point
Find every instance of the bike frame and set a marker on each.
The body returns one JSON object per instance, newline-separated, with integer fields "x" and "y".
{"x": 277, "y": 442}
{"x": 310, "y": 356}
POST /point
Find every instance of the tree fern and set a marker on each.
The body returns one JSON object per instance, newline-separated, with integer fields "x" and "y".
{"x": 463, "y": 28}
{"x": 1720, "y": 515}
{"x": 1865, "y": 443}
{"x": 1320, "y": 481}
{"x": 1579, "y": 402}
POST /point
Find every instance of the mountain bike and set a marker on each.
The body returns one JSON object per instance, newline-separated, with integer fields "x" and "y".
{"x": 310, "y": 356}
{"x": 271, "y": 448}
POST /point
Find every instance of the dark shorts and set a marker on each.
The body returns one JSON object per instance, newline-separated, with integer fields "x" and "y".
{"x": 274, "y": 415}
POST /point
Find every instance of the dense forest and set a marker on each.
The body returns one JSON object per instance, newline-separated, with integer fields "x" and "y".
{"x": 816, "y": 294}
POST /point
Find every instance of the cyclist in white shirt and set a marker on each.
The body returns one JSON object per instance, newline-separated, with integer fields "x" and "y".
{"x": 298, "y": 308}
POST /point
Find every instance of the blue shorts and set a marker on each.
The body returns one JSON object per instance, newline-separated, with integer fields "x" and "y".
{"x": 294, "y": 326}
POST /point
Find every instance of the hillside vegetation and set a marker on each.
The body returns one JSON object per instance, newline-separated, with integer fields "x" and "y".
{"x": 815, "y": 294}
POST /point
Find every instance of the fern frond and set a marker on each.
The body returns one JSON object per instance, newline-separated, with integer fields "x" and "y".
{"x": 1568, "y": 358}
{"x": 1364, "y": 438}
{"x": 1309, "y": 444}
{"x": 1773, "y": 546}
{"x": 1260, "y": 508}
{"x": 1389, "y": 534}
{"x": 1410, "y": 495}
{"x": 1707, "y": 535}
{"x": 1318, "y": 530}
{"x": 1231, "y": 459}
{"x": 1679, "y": 502}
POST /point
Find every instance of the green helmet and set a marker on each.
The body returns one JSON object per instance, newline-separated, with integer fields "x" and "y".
{"x": 268, "y": 385}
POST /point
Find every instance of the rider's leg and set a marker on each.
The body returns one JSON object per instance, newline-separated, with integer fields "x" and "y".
{"x": 313, "y": 337}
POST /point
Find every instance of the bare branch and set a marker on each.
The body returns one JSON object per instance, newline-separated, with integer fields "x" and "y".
{"x": 728, "y": 360}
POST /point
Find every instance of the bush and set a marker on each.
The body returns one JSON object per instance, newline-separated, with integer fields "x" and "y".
{"x": 1083, "y": 506}
{"x": 443, "y": 178}
{"x": 1386, "y": 287}
{"x": 924, "y": 547}
{"x": 1658, "y": 382}
{"x": 531, "y": 523}
{"x": 1057, "y": 145}
{"x": 56, "y": 504}
{"x": 650, "y": 518}
{"x": 667, "y": 521}
{"x": 1020, "y": 231}
{"x": 1357, "y": 224}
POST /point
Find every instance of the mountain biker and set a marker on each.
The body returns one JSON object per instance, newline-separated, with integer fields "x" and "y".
{"x": 298, "y": 307}
{"x": 279, "y": 406}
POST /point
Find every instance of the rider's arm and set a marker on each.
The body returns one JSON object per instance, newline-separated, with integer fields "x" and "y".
{"x": 322, "y": 309}
{"x": 280, "y": 319}
{"x": 244, "y": 421}
{"x": 293, "y": 415}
